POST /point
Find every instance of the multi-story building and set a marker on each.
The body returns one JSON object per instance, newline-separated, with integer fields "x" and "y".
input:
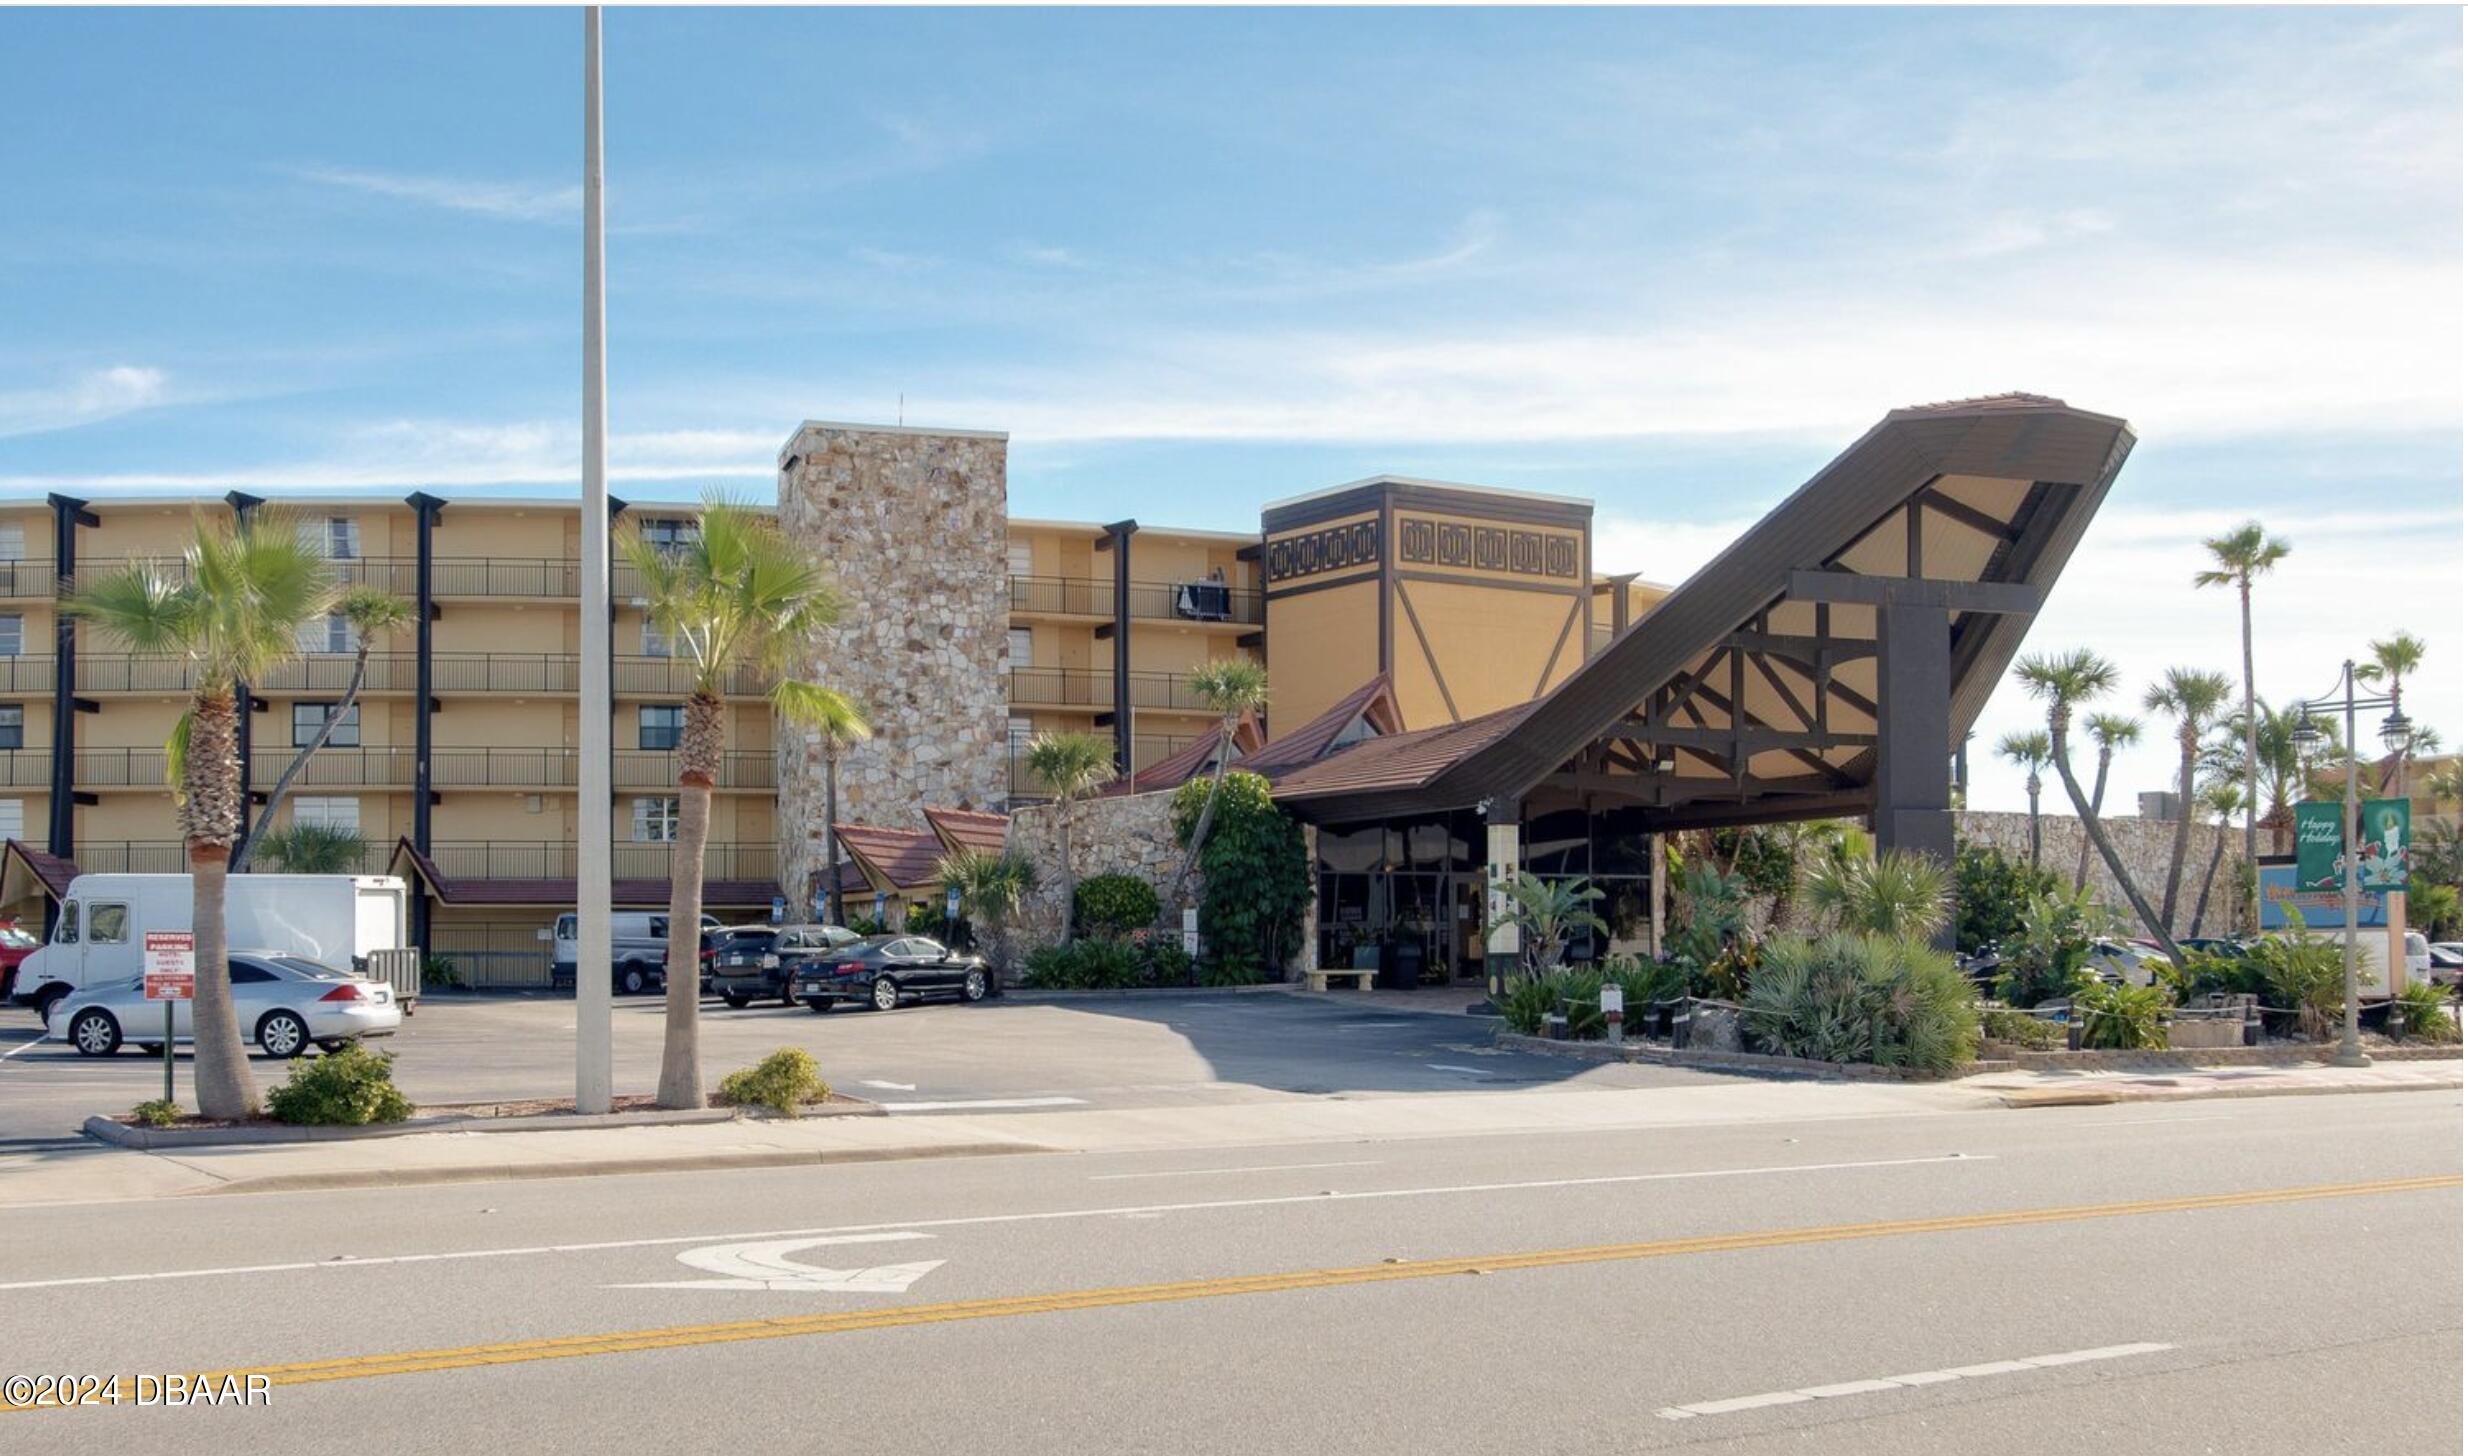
{"x": 975, "y": 632}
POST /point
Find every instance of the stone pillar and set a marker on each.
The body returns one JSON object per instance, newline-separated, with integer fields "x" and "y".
{"x": 912, "y": 522}
{"x": 1504, "y": 859}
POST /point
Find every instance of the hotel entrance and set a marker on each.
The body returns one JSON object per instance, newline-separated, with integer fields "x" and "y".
{"x": 1406, "y": 899}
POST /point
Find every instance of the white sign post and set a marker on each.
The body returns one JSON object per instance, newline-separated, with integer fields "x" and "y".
{"x": 1191, "y": 933}
{"x": 171, "y": 978}
{"x": 1613, "y": 1006}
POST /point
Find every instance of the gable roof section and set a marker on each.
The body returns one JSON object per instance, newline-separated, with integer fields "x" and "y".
{"x": 891, "y": 859}
{"x": 25, "y": 871}
{"x": 1375, "y": 700}
{"x": 1189, "y": 761}
{"x": 959, "y": 829}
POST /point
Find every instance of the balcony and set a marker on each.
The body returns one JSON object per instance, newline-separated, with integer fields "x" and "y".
{"x": 25, "y": 768}
{"x": 391, "y": 767}
{"x": 328, "y": 673}
{"x": 524, "y": 577}
{"x": 23, "y": 674}
{"x": 1151, "y": 601}
{"x": 554, "y": 860}
{"x": 1093, "y": 689}
{"x": 28, "y": 579}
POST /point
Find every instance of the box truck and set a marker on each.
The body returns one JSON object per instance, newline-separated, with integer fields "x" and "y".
{"x": 339, "y": 920}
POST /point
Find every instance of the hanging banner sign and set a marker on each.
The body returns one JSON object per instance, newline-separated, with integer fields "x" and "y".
{"x": 2382, "y": 838}
{"x": 2318, "y": 849}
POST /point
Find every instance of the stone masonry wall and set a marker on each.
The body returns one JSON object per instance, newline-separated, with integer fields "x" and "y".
{"x": 1127, "y": 834}
{"x": 2142, "y": 844}
{"x": 912, "y": 522}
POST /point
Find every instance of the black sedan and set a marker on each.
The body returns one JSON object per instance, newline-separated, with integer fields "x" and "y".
{"x": 881, "y": 972}
{"x": 753, "y": 961}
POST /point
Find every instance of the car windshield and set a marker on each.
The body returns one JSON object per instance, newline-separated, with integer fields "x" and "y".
{"x": 15, "y": 938}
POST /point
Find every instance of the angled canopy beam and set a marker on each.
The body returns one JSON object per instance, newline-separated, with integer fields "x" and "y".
{"x": 2004, "y": 597}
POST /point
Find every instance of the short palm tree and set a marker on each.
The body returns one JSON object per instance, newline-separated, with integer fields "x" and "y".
{"x": 311, "y": 849}
{"x": 2064, "y": 681}
{"x": 371, "y": 613}
{"x": 2278, "y": 761}
{"x": 2395, "y": 657}
{"x": 1071, "y": 766}
{"x": 1233, "y": 686}
{"x": 2194, "y": 698}
{"x": 233, "y": 615}
{"x": 2028, "y": 752}
{"x": 2111, "y": 731}
{"x": 2222, "y": 800}
{"x": 2236, "y": 559}
{"x": 993, "y": 884}
{"x": 839, "y": 728}
{"x": 1898, "y": 893}
{"x": 734, "y": 597}
{"x": 1546, "y": 912}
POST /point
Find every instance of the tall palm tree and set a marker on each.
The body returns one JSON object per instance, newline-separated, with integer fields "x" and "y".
{"x": 2222, "y": 800}
{"x": 2029, "y": 752}
{"x": 1071, "y": 766}
{"x": 2194, "y": 698}
{"x": 370, "y": 613}
{"x": 735, "y": 597}
{"x": 2395, "y": 657}
{"x": 232, "y": 616}
{"x": 2280, "y": 764}
{"x": 2236, "y": 559}
{"x": 1233, "y": 686}
{"x": 2111, "y": 731}
{"x": 840, "y": 729}
{"x": 2064, "y": 680}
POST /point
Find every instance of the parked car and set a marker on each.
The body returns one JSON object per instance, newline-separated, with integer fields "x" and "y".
{"x": 2226, "y": 945}
{"x": 2124, "y": 960}
{"x": 2443, "y": 961}
{"x": 638, "y": 949}
{"x": 286, "y": 1004}
{"x": 882, "y": 971}
{"x": 16, "y": 943}
{"x": 754, "y": 961}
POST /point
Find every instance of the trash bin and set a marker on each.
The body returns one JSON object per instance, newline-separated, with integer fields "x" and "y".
{"x": 1405, "y": 968}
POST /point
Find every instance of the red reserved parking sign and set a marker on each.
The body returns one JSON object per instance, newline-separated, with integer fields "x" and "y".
{"x": 171, "y": 965}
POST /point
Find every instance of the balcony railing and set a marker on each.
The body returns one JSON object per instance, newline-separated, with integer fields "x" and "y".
{"x": 554, "y": 860}
{"x": 1082, "y": 687}
{"x": 1145, "y": 751}
{"x": 390, "y": 767}
{"x": 27, "y": 579}
{"x": 1198, "y": 601}
{"x": 25, "y": 768}
{"x": 545, "y": 674}
{"x": 24, "y": 674}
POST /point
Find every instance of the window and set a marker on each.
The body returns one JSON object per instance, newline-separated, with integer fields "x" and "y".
{"x": 307, "y": 718}
{"x": 107, "y": 924}
{"x": 12, "y": 818}
{"x": 659, "y": 726}
{"x": 655, "y": 820}
{"x": 656, "y": 642}
{"x": 12, "y": 725}
{"x": 66, "y": 932}
{"x": 671, "y": 533}
{"x": 1023, "y": 647}
{"x": 1023, "y": 559}
{"x": 327, "y": 812}
{"x": 12, "y": 541}
{"x": 12, "y": 634}
{"x": 244, "y": 974}
{"x": 337, "y": 538}
{"x": 329, "y": 634}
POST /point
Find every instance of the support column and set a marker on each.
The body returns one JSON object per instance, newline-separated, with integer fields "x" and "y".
{"x": 425, "y": 509}
{"x": 67, "y": 515}
{"x": 1655, "y": 874}
{"x": 1915, "y": 691}
{"x": 1503, "y": 856}
{"x": 1118, "y": 540}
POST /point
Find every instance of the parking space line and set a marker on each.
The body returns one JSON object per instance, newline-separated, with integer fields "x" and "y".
{"x": 983, "y": 1104}
{"x": 1904, "y": 1382}
{"x": 1201, "y": 1172}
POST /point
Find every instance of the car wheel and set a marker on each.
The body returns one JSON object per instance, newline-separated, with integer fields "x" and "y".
{"x": 735, "y": 1001}
{"x": 634, "y": 981}
{"x": 788, "y": 995}
{"x": 972, "y": 986}
{"x": 333, "y": 1044}
{"x": 886, "y": 996}
{"x": 94, "y": 1032}
{"x": 282, "y": 1034}
{"x": 47, "y": 1001}
{"x": 818, "y": 1004}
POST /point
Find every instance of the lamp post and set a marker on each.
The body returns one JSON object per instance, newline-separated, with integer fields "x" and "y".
{"x": 2395, "y": 734}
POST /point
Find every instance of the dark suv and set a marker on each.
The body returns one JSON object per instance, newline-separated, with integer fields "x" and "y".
{"x": 755, "y": 961}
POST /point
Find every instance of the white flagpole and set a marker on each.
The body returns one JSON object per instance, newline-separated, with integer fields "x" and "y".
{"x": 592, "y": 826}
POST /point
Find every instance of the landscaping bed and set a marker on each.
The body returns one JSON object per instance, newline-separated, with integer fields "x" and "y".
{"x": 1747, "y": 1063}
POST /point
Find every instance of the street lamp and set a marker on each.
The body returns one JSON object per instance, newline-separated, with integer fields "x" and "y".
{"x": 2395, "y": 735}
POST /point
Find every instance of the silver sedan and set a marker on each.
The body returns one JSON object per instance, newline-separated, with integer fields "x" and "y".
{"x": 286, "y": 1005}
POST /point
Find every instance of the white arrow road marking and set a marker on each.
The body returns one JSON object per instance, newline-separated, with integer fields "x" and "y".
{"x": 890, "y": 1086}
{"x": 767, "y": 1265}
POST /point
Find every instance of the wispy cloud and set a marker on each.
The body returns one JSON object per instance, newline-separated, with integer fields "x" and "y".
{"x": 97, "y": 395}
{"x": 516, "y": 201}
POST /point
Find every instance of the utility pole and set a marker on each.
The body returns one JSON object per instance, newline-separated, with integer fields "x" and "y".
{"x": 593, "y": 955}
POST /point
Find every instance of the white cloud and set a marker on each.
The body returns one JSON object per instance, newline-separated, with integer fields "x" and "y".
{"x": 96, "y": 395}
{"x": 413, "y": 454}
{"x": 518, "y": 201}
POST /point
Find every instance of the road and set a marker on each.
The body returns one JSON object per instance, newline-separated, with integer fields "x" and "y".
{"x": 2258, "y": 1275}
{"x": 1149, "y": 1049}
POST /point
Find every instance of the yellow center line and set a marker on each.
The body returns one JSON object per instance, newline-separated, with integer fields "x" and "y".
{"x": 621, "y": 1342}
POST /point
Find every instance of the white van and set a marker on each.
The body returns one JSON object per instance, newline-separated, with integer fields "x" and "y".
{"x": 336, "y": 920}
{"x": 638, "y": 949}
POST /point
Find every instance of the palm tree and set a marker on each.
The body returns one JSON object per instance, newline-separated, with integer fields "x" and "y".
{"x": 232, "y": 616}
{"x": 370, "y": 612}
{"x": 1071, "y": 766}
{"x": 2062, "y": 680}
{"x": 2237, "y": 558}
{"x": 1898, "y": 893}
{"x": 312, "y": 849}
{"x": 1546, "y": 912}
{"x": 2029, "y": 752}
{"x": 2194, "y": 698}
{"x": 2111, "y": 731}
{"x": 1233, "y": 686}
{"x": 2395, "y": 657}
{"x": 2276, "y": 756}
{"x": 2223, "y": 799}
{"x": 735, "y": 597}
{"x": 993, "y": 884}
{"x": 839, "y": 730}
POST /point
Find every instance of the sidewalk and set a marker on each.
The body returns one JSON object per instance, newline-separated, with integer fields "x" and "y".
{"x": 2061, "y": 1088}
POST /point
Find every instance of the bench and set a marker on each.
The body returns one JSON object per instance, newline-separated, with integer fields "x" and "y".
{"x": 1318, "y": 980}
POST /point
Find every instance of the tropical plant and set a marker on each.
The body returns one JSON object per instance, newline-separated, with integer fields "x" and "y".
{"x": 1546, "y": 914}
{"x": 1644, "y": 983}
{"x": 232, "y": 615}
{"x": 1899, "y": 892}
{"x": 2045, "y": 961}
{"x": 1843, "y": 997}
{"x": 350, "y": 1088}
{"x": 1071, "y": 766}
{"x": 1712, "y": 941}
{"x": 2111, "y": 731}
{"x": 155, "y": 1112}
{"x": 2020, "y": 1028}
{"x": 2422, "y": 1012}
{"x": 1255, "y": 878}
{"x": 2122, "y": 1018}
{"x": 993, "y": 885}
{"x": 785, "y": 1082}
{"x": 736, "y": 596}
{"x": 837, "y": 726}
{"x": 2064, "y": 680}
{"x": 2237, "y": 558}
{"x": 371, "y": 614}
{"x": 2279, "y": 763}
{"x": 1114, "y": 905}
{"x": 2221, "y": 799}
{"x": 1991, "y": 891}
{"x": 2307, "y": 974}
{"x": 312, "y": 849}
{"x": 2193, "y": 697}
{"x": 1234, "y": 686}
{"x": 2028, "y": 751}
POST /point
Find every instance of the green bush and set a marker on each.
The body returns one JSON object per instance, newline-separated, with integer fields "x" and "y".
{"x": 2122, "y": 1018}
{"x": 2044, "y": 960}
{"x": 927, "y": 918}
{"x": 1098, "y": 964}
{"x": 1643, "y": 982}
{"x": 2423, "y": 1013}
{"x": 2218, "y": 973}
{"x": 439, "y": 971}
{"x": 784, "y": 1081}
{"x": 1255, "y": 877}
{"x": 1167, "y": 965}
{"x": 1113, "y": 905}
{"x": 2022, "y": 1029}
{"x": 2308, "y": 975}
{"x": 156, "y": 1113}
{"x": 350, "y": 1088}
{"x": 1990, "y": 894}
{"x": 1843, "y": 997}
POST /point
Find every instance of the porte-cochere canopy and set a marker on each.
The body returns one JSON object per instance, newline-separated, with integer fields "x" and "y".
{"x": 1825, "y": 664}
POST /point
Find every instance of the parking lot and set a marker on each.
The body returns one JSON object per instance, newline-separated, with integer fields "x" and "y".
{"x": 1133, "y": 1050}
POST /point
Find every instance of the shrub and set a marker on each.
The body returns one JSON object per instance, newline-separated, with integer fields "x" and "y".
{"x": 1990, "y": 894}
{"x": 2423, "y": 1013}
{"x": 156, "y": 1113}
{"x": 2307, "y": 975}
{"x": 1108, "y": 965}
{"x": 2022, "y": 1029}
{"x": 784, "y": 1081}
{"x": 1644, "y": 982}
{"x": 2218, "y": 973}
{"x": 1533, "y": 999}
{"x": 2044, "y": 961}
{"x": 928, "y": 919}
{"x": 1165, "y": 962}
{"x": 1843, "y": 997}
{"x": 2122, "y": 1018}
{"x": 439, "y": 971}
{"x": 1256, "y": 877}
{"x": 350, "y": 1088}
{"x": 1113, "y": 905}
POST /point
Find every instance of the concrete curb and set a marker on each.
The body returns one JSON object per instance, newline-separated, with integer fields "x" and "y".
{"x": 1137, "y": 993}
{"x": 598, "y": 1167}
{"x": 2108, "y": 1096}
{"x": 2285, "y": 1054}
{"x": 175, "y": 1139}
{"x": 1746, "y": 1064}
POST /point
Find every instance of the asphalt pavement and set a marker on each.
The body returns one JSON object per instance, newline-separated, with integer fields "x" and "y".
{"x": 2261, "y": 1275}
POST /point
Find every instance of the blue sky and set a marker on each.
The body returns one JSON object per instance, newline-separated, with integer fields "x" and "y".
{"x": 1671, "y": 260}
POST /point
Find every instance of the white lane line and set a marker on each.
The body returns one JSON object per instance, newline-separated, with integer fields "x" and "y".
{"x": 1445, "y": 1067}
{"x": 2154, "y": 1121}
{"x": 1902, "y": 1382}
{"x": 1202, "y": 1172}
{"x": 983, "y": 1102}
{"x": 971, "y": 1220}
{"x": 23, "y": 1046}
{"x": 889, "y": 1086}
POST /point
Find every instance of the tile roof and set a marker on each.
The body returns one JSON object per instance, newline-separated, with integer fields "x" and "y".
{"x": 891, "y": 858}
{"x": 1185, "y": 763}
{"x": 1375, "y": 699}
{"x": 1400, "y": 760}
{"x": 960, "y": 829}
{"x": 52, "y": 871}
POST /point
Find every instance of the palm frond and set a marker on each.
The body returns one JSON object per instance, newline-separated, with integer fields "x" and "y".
{"x": 176, "y": 755}
{"x": 812, "y": 706}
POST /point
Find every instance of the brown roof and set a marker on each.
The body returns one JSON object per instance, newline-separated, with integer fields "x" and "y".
{"x": 1376, "y": 700}
{"x": 1399, "y": 760}
{"x": 892, "y": 859}
{"x": 1185, "y": 763}
{"x": 561, "y": 893}
{"x": 960, "y": 829}
{"x": 49, "y": 870}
